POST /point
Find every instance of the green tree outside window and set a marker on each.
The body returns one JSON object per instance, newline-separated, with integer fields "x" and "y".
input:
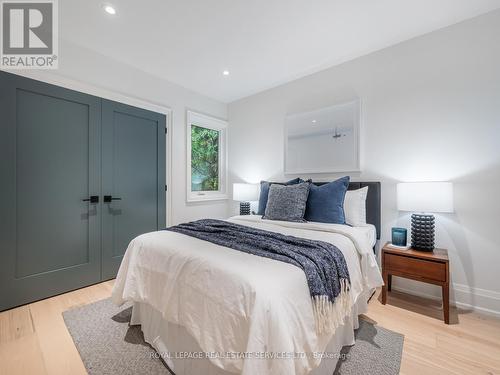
{"x": 204, "y": 159}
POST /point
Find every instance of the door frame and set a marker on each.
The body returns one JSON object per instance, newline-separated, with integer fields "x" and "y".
{"x": 125, "y": 99}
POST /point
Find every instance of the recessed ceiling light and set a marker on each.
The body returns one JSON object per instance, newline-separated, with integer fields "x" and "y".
{"x": 109, "y": 9}
{"x": 225, "y": 72}
{"x": 313, "y": 121}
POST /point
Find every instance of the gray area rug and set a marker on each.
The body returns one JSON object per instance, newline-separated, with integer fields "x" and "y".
{"x": 377, "y": 351}
{"x": 109, "y": 346}
{"x": 106, "y": 342}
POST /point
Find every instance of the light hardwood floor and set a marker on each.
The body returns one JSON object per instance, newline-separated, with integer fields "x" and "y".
{"x": 34, "y": 339}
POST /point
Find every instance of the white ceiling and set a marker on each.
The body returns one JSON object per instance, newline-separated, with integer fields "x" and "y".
{"x": 263, "y": 43}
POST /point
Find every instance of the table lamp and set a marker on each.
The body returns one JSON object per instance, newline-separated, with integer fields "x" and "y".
{"x": 244, "y": 193}
{"x": 424, "y": 198}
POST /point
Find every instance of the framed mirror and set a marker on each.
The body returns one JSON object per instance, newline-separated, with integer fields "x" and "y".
{"x": 324, "y": 140}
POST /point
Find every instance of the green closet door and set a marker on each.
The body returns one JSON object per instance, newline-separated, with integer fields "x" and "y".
{"x": 49, "y": 163}
{"x": 133, "y": 177}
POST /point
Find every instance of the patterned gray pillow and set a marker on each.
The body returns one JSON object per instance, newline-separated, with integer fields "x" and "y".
{"x": 287, "y": 202}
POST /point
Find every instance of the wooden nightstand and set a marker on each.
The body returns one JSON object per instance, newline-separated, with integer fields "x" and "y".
{"x": 429, "y": 267}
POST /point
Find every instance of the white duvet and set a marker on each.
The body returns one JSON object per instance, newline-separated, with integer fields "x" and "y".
{"x": 233, "y": 302}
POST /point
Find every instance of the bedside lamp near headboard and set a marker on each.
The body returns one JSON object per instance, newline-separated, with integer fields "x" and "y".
{"x": 424, "y": 197}
{"x": 245, "y": 193}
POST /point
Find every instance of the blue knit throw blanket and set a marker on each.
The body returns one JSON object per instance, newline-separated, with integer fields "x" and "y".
{"x": 324, "y": 264}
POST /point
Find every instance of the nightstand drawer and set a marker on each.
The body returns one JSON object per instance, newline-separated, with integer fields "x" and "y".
{"x": 416, "y": 267}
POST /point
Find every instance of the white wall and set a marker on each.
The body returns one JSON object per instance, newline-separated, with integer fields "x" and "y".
{"x": 87, "y": 71}
{"x": 430, "y": 111}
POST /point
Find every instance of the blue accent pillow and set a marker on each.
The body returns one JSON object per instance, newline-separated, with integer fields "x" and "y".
{"x": 264, "y": 193}
{"x": 326, "y": 202}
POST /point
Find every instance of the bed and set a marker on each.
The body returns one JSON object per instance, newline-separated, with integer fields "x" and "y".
{"x": 208, "y": 309}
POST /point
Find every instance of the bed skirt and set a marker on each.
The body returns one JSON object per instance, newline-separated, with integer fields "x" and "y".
{"x": 173, "y": 343}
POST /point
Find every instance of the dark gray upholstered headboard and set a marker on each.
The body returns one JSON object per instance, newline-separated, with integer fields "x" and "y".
{"x": 373, "y": 210}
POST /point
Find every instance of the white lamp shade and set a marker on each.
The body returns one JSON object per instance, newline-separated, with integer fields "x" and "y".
{"x": 425, "y": 196}
{"x": 245, "y": 192}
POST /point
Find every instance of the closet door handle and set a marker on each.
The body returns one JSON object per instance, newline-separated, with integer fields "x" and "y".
{"x": 92, "y": 199}
{"x": 109, "y": 198}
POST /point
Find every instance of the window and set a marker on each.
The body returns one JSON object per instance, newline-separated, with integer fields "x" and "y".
{"x": 206, "y": 158}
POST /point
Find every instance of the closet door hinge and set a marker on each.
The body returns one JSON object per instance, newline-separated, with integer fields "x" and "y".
{"x": 166, "y": 130}
{"x": 166, "y": 188}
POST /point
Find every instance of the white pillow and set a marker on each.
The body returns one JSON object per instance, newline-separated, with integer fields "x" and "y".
{"x": 355, "y": 207}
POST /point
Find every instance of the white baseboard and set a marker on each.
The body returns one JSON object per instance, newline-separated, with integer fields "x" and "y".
{"x": 480, "y": 300}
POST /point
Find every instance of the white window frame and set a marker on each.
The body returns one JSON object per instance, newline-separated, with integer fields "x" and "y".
{"x": 204, "y": 121}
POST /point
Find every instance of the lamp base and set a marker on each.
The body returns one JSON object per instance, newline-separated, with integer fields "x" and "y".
{"x": 244, "y": 208}
{"x": 422, "y": 232}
